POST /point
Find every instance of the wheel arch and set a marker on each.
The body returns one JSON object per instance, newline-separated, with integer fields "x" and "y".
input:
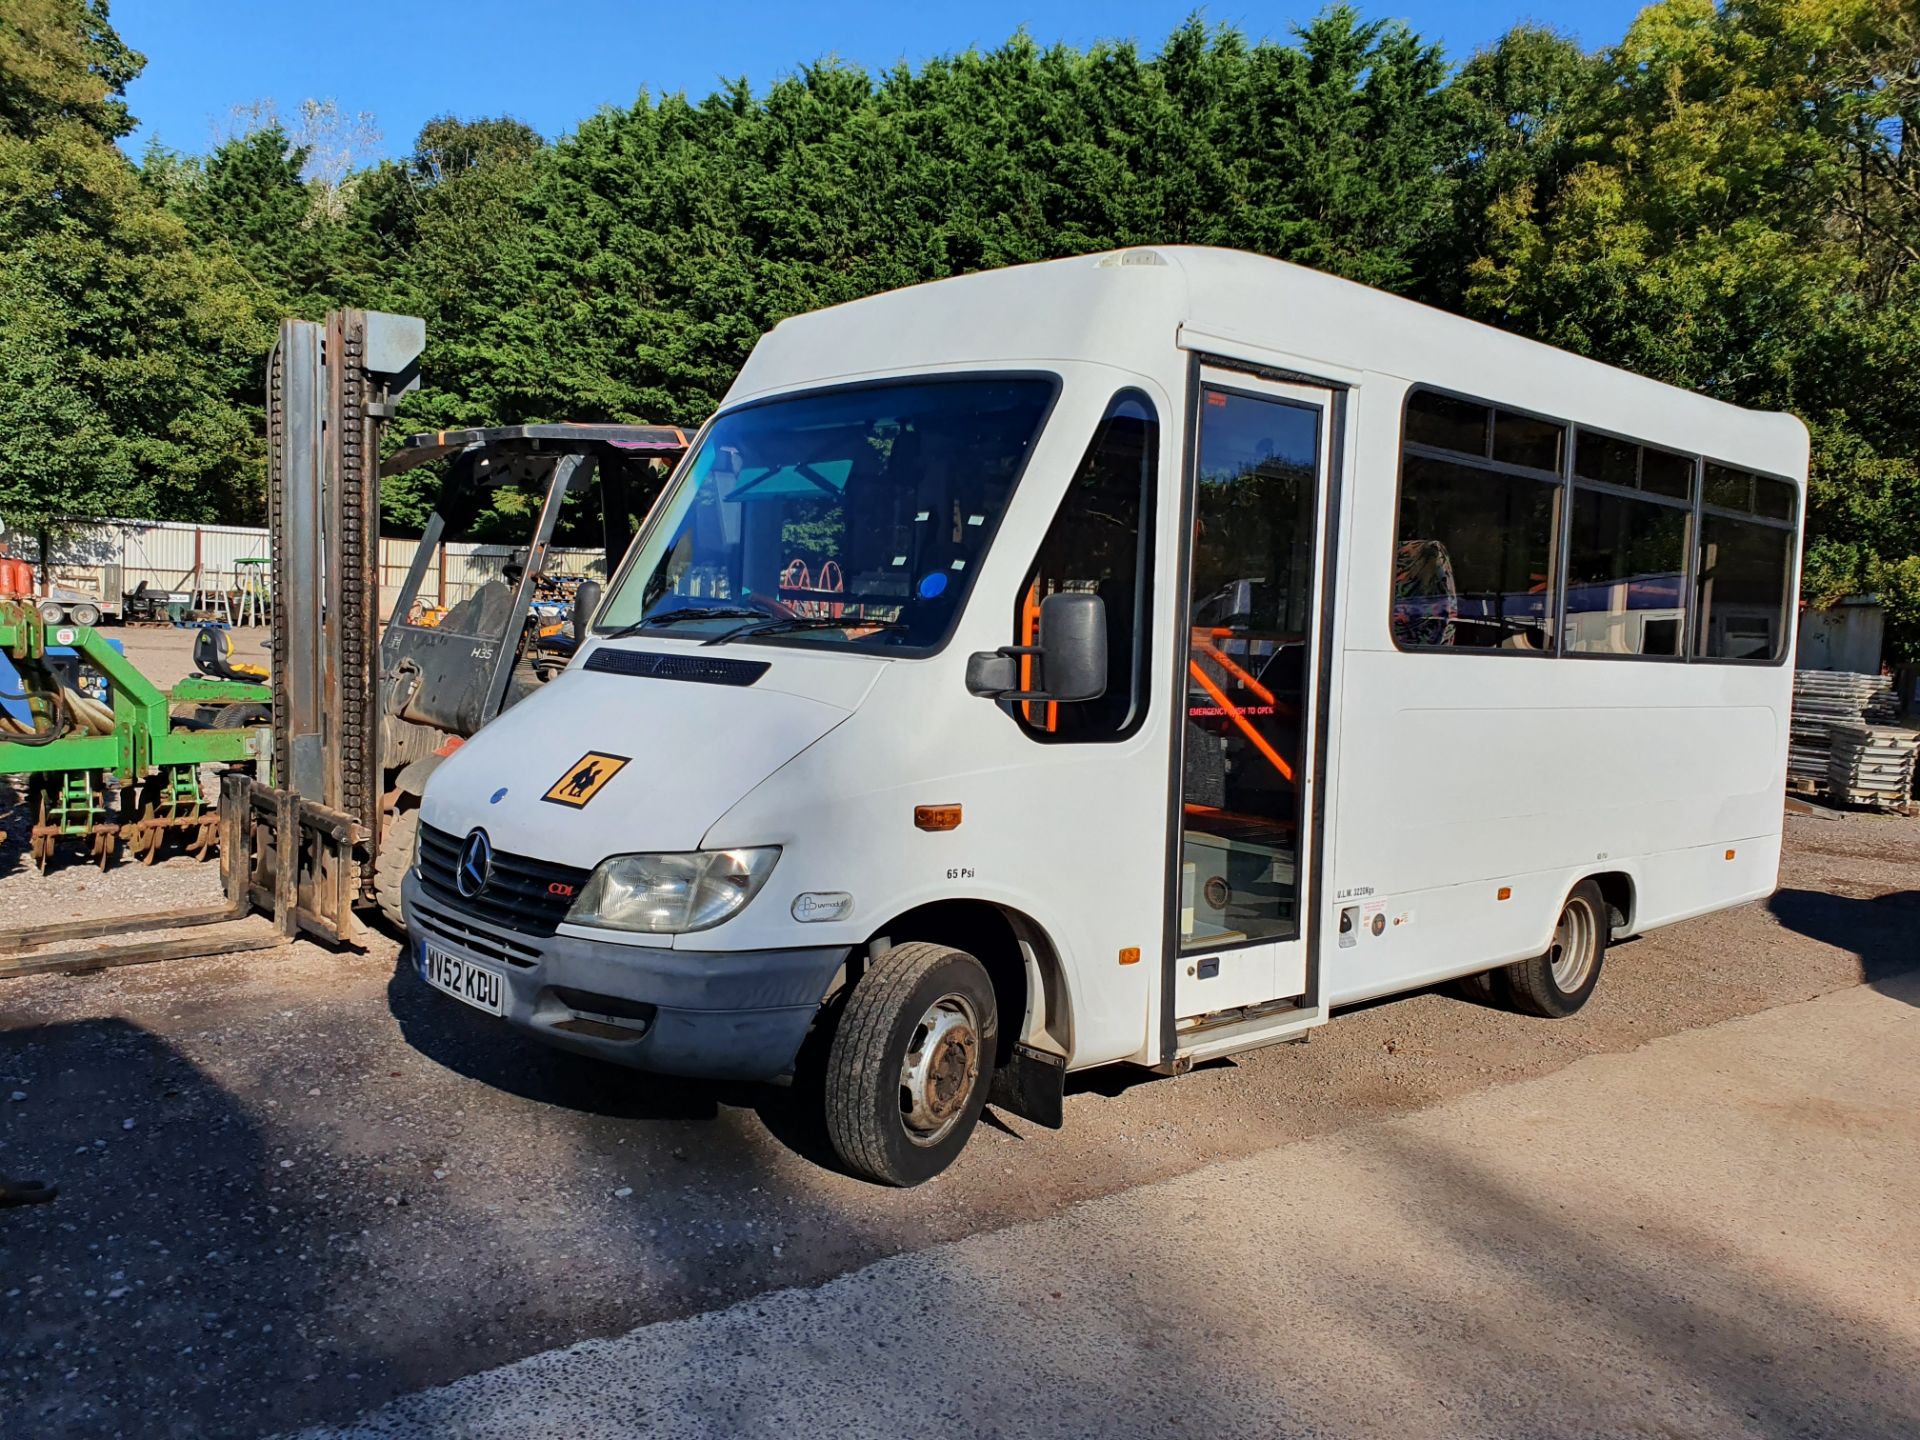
{"x": 1030, "y": 986}
{"x": 1618, "y": 890}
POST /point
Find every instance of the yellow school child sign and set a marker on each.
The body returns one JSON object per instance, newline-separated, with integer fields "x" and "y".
{"x": 586, "y": 778}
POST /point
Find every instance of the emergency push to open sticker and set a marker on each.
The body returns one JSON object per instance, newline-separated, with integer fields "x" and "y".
{"x": 586, "y": 778}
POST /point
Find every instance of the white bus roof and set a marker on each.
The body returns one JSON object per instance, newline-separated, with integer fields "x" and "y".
{"x": 1133, "y": 308}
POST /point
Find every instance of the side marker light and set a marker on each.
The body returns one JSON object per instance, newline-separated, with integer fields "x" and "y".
{"x": 936, "y": 817}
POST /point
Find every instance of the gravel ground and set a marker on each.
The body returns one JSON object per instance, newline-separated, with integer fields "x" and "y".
{"x": 164, "y": 653}
{"x": 1708, "y": 1236}
{"x": 295, "y": 1184}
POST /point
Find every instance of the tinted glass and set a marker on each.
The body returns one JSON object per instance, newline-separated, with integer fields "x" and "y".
{"x": 1772, "y": 498}
{"x": 1626, "y": 576}
{"x": 1743, "y": 581}
{"x": 1098, "y": 544}
{"x": 1523, "y": 440}
{"x": 1664, "y": 473}
{"x": 869, "y": 506}
{"x": 1473, "y": 567}
{"x": 1446, "y": 423}
{"x": 1249, "y": 610}
{"x": 1728, "y": 488}
{"x": 1601, "y": 457}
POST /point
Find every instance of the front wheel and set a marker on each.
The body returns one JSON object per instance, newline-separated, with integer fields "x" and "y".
{"x": 1557, "y": 983}
{"x": 911, "y": 1059}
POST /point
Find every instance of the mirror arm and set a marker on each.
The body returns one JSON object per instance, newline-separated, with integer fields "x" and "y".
{"x": 1021, "y": 697}
{"x": 1015, "y": 696}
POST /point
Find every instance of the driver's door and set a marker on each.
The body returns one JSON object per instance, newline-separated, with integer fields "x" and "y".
{"x": 1252, "y": 609}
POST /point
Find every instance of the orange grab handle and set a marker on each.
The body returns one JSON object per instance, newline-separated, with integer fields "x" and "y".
{"x": 1227, "y": 663}
{"x": 1258, "y": 740}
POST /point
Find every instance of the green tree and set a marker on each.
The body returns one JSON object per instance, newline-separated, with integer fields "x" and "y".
{"x": 248, "y": 199}
{"x": 121, "y": 346}
{"x": 1735, "y": 214}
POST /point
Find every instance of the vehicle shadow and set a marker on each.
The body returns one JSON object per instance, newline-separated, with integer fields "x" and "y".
{"x": 146, "y": 1297}
{"x": 1883, "y": 932}
{"x": 480, "y": 1048}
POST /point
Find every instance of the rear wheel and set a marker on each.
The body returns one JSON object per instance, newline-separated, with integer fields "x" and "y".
{"x": 391, "y": 864}
{"x": 86, "y": 615}
{"x": 1557, "y": 983}
{"x": 911, "y": 1059}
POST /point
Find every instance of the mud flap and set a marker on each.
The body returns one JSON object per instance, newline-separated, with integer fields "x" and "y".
{"x": 1033, "y": 1085}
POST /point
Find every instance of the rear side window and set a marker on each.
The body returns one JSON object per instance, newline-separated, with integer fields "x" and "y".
{"x": 1745, "y": 565}
{"x": 1631, "y": 509}
{"x": 1477, "y": 545}
{"x": 1526, "y": 534}
{"x": 1101, "y": 542}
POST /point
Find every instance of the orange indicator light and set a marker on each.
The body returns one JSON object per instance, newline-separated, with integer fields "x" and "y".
{"x": 1130, "y": 955}
{"x": 936, "y": 817}
{"x": 1505, "y": 892}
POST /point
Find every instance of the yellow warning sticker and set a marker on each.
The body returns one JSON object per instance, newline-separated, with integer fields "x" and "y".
{"x": 586, "y": 778}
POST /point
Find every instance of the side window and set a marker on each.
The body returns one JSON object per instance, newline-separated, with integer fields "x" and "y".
{"x": 1101, "y": 541}
{"x": 1627, "y": 551}
{"x": 1745, "y": 566}
{"x": 1477, "y": 545}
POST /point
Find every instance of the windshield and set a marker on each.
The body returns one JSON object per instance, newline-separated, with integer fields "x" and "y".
{"x": 854, "y": 517}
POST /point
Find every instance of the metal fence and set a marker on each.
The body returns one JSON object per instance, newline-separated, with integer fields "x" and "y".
{"x": 179, "y": 557}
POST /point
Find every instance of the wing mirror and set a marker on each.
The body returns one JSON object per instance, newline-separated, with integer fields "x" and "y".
{"x": 586, "y": 600}
{"x": 1071, "y": 658}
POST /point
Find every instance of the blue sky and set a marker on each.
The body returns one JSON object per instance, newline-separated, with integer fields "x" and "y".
{"x": 551, "y": 64}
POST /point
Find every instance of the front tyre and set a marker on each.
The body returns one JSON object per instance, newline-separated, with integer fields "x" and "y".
{"x": 911, "y": 1060}
{"x": 1557, "y": 983}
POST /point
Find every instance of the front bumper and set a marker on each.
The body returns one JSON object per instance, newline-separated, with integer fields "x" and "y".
{"x": 713, "y": 1014}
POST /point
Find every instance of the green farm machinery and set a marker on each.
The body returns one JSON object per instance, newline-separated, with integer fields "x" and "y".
{"x": 123, "y": 771}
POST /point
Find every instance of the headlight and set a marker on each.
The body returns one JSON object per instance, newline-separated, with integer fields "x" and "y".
{"x": 672, "y": 894}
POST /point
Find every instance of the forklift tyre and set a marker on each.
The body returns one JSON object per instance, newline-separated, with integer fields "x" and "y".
{"x": 242, "y": 716}
{"x": 390, "y": 866}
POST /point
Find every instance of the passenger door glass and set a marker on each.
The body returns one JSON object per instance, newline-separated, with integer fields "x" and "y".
{"x": 1250, "y": 610}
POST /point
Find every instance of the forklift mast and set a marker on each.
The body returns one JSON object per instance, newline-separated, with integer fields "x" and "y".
{"x": 316, "y": 826}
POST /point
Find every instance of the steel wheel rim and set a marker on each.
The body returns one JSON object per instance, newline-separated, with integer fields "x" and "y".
{"x": 1575, "y": 944}
{"x": 940, "y": 1069}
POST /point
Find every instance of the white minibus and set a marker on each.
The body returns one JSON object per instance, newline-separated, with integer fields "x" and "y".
{"x": 1132, "y": 658}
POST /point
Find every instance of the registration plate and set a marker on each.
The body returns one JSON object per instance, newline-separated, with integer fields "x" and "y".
{"x": 464, "y": 979}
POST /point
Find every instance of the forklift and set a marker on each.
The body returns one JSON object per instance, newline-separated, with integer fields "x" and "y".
{"x": 446, "y": 671}
{"x": 360, "y": 717}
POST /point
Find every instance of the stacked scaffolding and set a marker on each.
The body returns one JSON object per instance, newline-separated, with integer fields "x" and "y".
{"x": 1823, "y": 761}
{"x": 1872, "y": 764}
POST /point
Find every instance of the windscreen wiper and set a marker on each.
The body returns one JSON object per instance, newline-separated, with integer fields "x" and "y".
{"x": 784, "y": 623}
{"x": 686, "y": 612}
